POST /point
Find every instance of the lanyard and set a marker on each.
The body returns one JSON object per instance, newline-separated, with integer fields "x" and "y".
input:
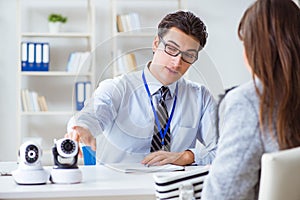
{"x": 162, "y": 135}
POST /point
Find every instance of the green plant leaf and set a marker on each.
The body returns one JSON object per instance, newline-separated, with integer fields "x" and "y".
{"x": 53, "y": 17}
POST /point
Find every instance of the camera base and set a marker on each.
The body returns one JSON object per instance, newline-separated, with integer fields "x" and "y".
{"x": 30, "y": 177}
{"x": 66, "y": 176}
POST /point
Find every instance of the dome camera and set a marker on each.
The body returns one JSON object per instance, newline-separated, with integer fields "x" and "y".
{"x": 30, "y": 153}
{"x": 30, "y": 170}
{"x": 65, "y": 155}
{"x": 67, "y": 148}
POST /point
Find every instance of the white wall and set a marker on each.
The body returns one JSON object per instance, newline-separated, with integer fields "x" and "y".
{"x": 8, "y": 57}
{"x": 223, "y": 46}
{"x": 223, "y": 69}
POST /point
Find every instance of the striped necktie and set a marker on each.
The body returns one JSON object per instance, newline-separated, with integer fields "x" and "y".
{"x": 163, "y": 117}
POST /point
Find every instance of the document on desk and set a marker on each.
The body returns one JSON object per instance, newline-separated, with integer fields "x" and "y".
{"x": 7, "y": 167}
{"x": 140, "y": 168}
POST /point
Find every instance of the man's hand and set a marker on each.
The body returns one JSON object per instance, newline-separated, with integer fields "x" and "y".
{"x": 83, "y": 135}
{"x": 165, "y": 157}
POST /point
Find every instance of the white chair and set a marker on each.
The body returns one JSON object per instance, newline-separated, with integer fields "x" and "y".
{"x": 180, "y": 185}
{"x": 280, "y": 175}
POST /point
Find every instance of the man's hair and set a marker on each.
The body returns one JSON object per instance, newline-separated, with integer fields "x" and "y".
{"x": 187, "y": 22}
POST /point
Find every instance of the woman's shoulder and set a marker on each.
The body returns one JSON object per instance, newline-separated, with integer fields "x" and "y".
{"x": 245, "y": 92}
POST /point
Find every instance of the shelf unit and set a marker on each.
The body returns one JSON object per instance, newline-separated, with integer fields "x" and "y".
{"x": 57, "y": 85}
{"x": 139, "y": 41}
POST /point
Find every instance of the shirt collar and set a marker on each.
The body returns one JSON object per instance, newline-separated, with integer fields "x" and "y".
{"x": 154, "y": 84}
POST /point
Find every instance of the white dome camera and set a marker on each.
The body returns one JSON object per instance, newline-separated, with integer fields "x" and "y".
{"x": 30, "y": 170}
{"x": 30, "y": 155}
{"x": 67, "y": 148}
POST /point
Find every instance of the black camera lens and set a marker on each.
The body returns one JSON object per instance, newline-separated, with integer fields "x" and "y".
{"x": 31, "y": 153}
{"x": 68, "y": 146}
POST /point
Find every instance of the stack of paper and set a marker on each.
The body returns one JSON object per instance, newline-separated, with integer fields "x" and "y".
{"x": 140, "y": 168}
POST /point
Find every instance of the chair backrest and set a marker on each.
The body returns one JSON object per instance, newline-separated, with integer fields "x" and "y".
{"x": 280, "y": 175}
{"x": 180, "y": 185}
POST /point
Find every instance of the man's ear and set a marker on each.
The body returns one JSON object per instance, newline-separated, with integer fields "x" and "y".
{"x": 155, "y": 44}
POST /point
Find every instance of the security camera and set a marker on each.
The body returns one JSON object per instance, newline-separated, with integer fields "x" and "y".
{"x": 65, "y": 154}
{"x": 30, "y": 170}
{"x": 30, "y": 155}
{"x": 67, "y": 148}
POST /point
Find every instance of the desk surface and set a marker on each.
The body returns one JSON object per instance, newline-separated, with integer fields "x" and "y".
{"x": 98, "y": 181}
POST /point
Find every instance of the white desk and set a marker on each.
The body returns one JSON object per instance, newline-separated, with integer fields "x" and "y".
{"x": 99, "y": 182}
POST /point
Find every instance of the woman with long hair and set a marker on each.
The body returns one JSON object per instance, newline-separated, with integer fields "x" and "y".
{"x": 262, "y": 115}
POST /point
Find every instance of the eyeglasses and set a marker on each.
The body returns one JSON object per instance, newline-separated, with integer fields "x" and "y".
{"x": 185, "y": 55}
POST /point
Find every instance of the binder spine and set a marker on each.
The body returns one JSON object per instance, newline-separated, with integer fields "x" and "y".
{"x": 79, "y": 92}
{"x": 31, "y": 56}
{"x": 82, "y": 93}
{"x": 38, "y": 57}
{"x": 24, "y": 56}
{"x": 45, "y": 56}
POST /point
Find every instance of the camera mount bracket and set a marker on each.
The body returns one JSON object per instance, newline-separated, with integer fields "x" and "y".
{"x": 59, "y": 165}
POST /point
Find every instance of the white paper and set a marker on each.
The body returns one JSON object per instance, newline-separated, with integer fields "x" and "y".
{"x": 140, "y": 168}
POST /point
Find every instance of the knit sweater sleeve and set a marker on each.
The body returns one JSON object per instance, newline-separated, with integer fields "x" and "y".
{"x": 234, "y": 173}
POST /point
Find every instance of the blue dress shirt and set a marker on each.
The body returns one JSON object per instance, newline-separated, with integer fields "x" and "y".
{"x": 120, "y": 116}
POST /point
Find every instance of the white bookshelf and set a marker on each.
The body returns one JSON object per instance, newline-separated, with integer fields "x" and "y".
{"x": 56, "y": 35}
{"x": 54, "y": 73}
{"x": 139, "y": 41}
{"x": 48, "y": 113}
{"x": 57, "y": 85}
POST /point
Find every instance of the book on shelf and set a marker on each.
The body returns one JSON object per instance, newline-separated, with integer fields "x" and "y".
{"x": 125, "y": 63}
{"x": 79, "y": 62}
{"x": 120, "y": 27}
{"x": 32, "y": 102}
{"x": 42, "y": 103}
{"x": 35, "y": 56}
{"x": 128, "y": 22}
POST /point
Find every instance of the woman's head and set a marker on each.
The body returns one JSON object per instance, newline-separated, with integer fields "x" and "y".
{"x": 270, "y": 31}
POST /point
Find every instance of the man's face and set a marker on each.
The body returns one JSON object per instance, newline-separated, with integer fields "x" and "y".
{"x": 167, "y": 68}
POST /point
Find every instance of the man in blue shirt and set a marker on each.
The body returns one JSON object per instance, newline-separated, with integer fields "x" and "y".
{"x": 119, "y": 118}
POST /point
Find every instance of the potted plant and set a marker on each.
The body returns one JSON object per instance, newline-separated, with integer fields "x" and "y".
{"x": 55, "y": 21}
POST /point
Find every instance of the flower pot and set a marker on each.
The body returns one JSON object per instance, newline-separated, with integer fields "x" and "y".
{"x": 54, "y": 27}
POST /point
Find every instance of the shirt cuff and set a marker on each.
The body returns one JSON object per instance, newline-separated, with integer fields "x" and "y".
{"x": 202, "y": 156}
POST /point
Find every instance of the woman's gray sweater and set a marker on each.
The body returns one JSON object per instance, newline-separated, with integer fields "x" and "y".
{"x": 235, "y": 172}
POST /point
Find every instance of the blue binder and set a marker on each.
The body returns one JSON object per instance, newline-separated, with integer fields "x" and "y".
{"x": 31, "y": 56}
{"x": 24, "y": 56}
{"x": 82, "y": 92}
{"x": 79, "y": 92}
{"x": 45, "y": 57}
{"x": 38, "y": 57}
